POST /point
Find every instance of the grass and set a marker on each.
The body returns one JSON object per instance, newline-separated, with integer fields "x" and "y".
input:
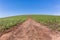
{"x": 6, "y": 23}
{"x": 52, "y": 22}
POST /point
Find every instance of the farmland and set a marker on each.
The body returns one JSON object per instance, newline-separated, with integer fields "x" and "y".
{"x": 52, "y": 22}
{"x": 8, "y": 22}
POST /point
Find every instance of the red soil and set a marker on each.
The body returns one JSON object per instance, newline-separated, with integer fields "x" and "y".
{"x": 30, "y": 30}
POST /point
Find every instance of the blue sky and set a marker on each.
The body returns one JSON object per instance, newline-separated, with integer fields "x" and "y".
{"x": 23, "y": 7}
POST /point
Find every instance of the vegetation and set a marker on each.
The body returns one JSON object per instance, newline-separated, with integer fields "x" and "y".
{"x": 6, "y": 23}
{"x": 50, "y": 21}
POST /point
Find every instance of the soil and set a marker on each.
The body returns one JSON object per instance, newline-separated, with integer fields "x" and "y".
{"x": 30, "y": 30}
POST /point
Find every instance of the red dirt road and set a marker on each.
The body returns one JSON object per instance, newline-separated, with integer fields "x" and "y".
{"x": 31, "y": 30}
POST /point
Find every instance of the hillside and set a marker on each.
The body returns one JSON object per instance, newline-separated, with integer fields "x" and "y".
{"x": 8, "y": 22}
{"x": 30, "y": 30}
{"x": 52, "y": 22}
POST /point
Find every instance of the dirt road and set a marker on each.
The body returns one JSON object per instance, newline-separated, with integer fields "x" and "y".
{"x": 31, "y": 30}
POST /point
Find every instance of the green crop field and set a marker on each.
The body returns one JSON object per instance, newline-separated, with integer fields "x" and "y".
{"x": 52, "y": 22}
{"x": 8, "y": 22}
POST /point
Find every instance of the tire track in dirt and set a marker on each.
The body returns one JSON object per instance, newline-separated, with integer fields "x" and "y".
{"x": 31, "y": 30}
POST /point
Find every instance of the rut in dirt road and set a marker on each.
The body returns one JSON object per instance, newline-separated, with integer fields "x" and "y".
{"x": 31, "y": 30}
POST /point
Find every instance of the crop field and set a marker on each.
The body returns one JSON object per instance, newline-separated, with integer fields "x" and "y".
{"x": 8, "y": 22}
{"x": 52, "y": 22}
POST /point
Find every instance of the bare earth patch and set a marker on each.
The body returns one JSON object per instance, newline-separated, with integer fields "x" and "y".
{"x": 30, "y": 30}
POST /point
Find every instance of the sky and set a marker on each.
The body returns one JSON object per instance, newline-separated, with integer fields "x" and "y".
{"x": 29, "y": 7}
